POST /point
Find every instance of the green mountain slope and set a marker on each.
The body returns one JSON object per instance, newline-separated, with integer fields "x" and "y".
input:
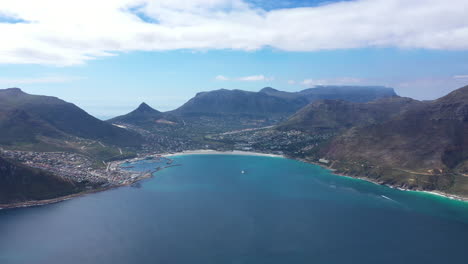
{"x": 25, "y": 118}
{"x": 271, "y": 102}
{"x": 328, "y": 116}
{"x": 19, "y": 183}
{"x": 240, "y": 103}
{"x": 424, "y": 147}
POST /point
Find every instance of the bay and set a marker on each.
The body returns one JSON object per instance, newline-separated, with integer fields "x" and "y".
{"x": 207, "y": 211}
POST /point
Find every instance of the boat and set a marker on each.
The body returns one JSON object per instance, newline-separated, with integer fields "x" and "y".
{"x": 243, "y": 172}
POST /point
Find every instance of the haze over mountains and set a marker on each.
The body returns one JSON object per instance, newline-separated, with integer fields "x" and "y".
{"x": 271, "y": 102}
{"x": 236, "y": 109}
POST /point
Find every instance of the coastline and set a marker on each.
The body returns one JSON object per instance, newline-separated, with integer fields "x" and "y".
{"x": 251, "y": 153}
{"x": 52, "y": 200}
{"x": 34, "y": 203}
{"x": 216, "y": 152}
{"x": 434, "y": 192}
{"x": 146, "y": 175}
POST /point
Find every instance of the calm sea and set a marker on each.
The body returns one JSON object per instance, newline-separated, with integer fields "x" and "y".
{"x": 208, "y": 211}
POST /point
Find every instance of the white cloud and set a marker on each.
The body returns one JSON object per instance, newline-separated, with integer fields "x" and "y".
{"x": 291, "y": 82}
{"x": 460, "y": 77}
{"x": 310, "y": 82}
{"x": 75, "y": 31}
{"x": 255, "y": 78}
{"x": 38, "y": 80}
{"x": 221, "y": 78}
{"x": 334, "y": 81}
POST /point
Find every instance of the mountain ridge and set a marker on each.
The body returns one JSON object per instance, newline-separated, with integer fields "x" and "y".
{"x": 46, "y": 122}
{"x": 223, "y": 110}
{"x": 426, "y": 146}
{"x": 272, "y": 101}
{"x": 335, "y": 115}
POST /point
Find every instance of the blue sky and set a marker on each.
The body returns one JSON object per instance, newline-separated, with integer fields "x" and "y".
{"x": 112, "y": 75}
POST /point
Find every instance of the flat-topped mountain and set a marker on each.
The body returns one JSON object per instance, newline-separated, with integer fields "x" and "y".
{"x": 425, "y": 146}
{"x": 347, "y": 93}
{"x": 271, "y": 102}
{"x": 25, "y": 118}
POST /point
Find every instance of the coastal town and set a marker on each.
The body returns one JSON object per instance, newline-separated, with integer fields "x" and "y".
{"x": 269, "y": 140}
{"x": 75, "y": 167}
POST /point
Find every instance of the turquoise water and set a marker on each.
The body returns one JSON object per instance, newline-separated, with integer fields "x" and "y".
{"x": 207, "y": 211}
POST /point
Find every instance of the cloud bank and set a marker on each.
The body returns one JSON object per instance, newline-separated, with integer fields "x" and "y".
{"x": 333, "y": 81}
{"x": 65, "y": 33}
{"x": 253, "y": 78}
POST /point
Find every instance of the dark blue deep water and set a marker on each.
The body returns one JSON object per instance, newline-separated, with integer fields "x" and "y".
{"x": 207, "y": 211}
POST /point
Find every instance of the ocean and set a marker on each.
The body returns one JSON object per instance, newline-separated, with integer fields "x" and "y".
{"x": 239, "y": 209}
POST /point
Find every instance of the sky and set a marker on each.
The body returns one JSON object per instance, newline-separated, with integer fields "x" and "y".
{"x": 108, "y": 56}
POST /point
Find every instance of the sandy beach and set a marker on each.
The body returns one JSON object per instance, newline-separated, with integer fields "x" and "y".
{"x": 215, "y": 152}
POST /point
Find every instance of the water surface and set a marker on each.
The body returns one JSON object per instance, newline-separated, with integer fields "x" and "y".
{"x": 207, "y": 211}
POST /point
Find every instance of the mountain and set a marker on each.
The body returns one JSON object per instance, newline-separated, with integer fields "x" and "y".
{"x": 239, "y": 102}
{"x": 19, "y": 183}
{"x": 26, "y": 118}
{"x": 146, "y": 116}
{"x": 330, "y": 116}
{"x": 347, "y": 93}
{"x": 271, "y": 102}
{"x": 225, "y": 110}
{"x": 425, "y": 147}
{"x": 144, "y": 113}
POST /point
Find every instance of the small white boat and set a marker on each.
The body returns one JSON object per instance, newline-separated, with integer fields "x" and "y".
{"x": 243, "y": 172}
{"x": 386, "y": 197}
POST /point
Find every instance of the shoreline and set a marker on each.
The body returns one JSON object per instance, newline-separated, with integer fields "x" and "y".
{"x": 252, "y": 153}
{"x": 216, "y": 152}
{"x": 147, "y": 175}
{"x": 434, "y": 192}
{"x": 34, "y": 203}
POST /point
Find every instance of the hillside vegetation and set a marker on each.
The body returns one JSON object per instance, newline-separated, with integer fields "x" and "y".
{"x": 424, "y": 147}
{"x": 44, "y": 123}
{"x": 19, "y": 183}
